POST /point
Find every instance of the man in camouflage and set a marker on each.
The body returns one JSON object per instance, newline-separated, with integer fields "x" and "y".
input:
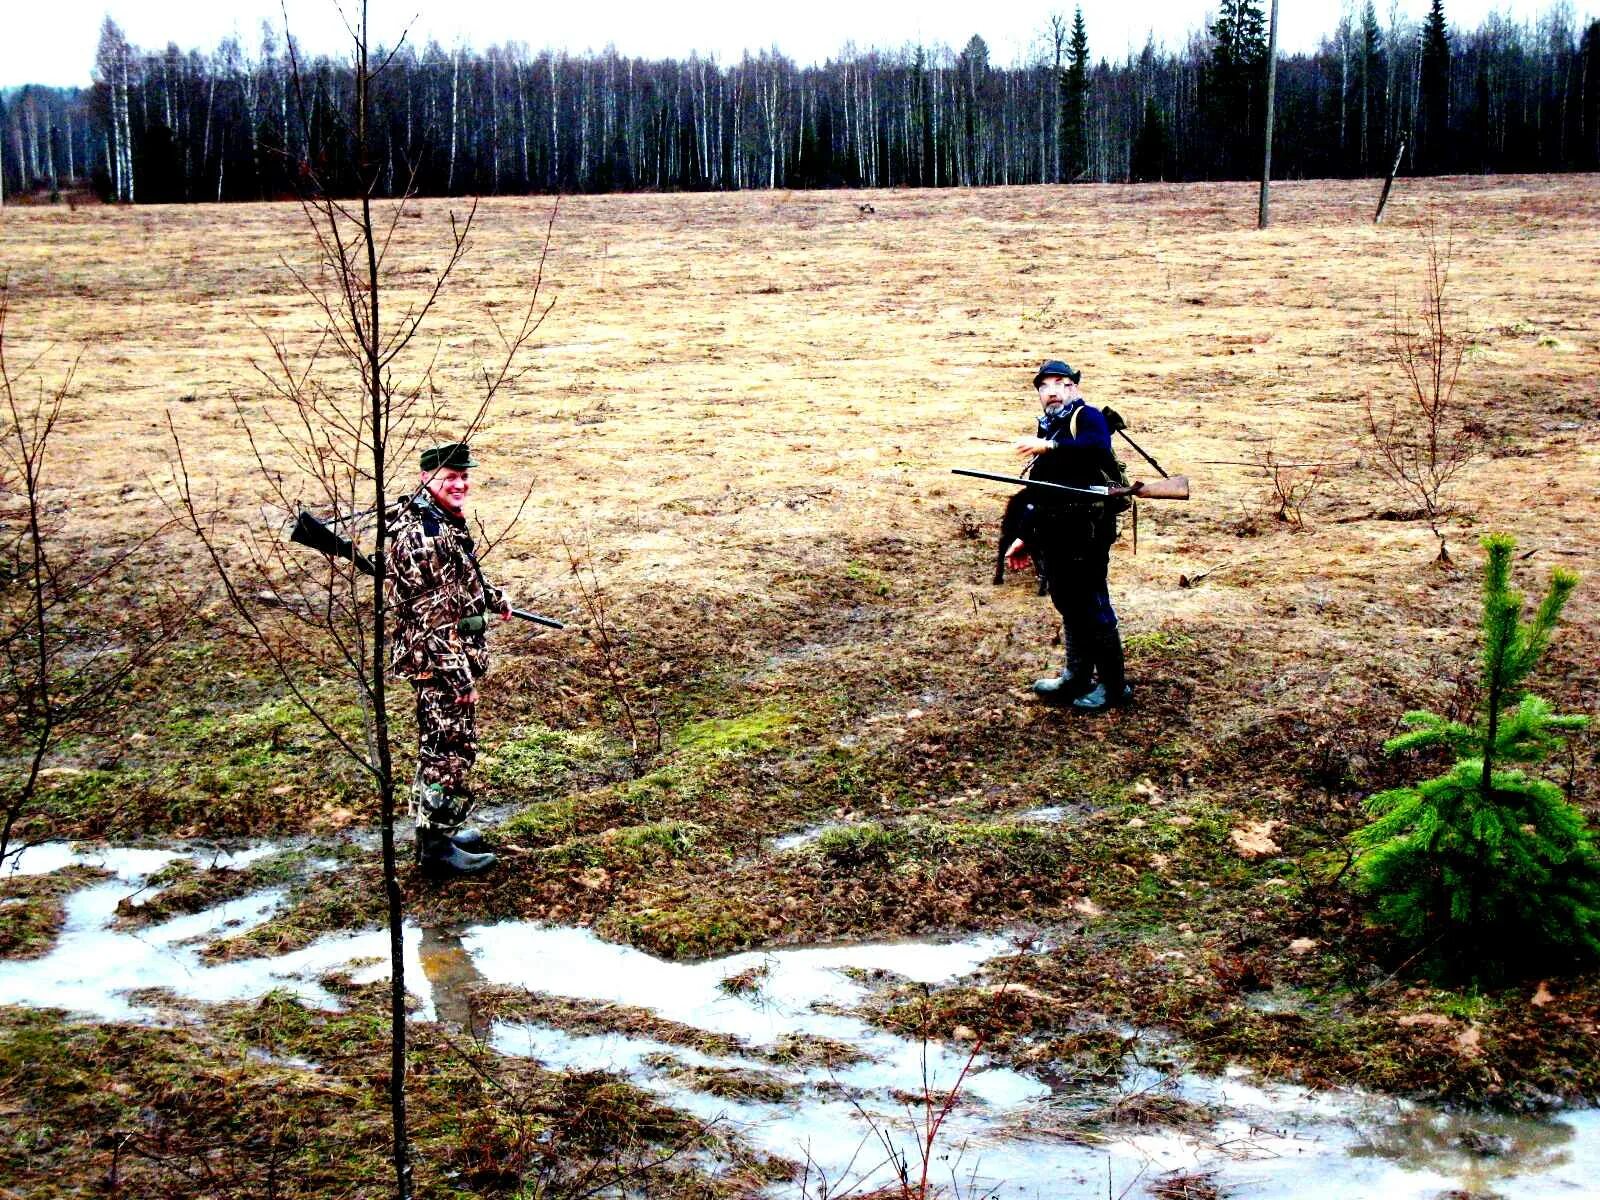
{"x": 441, "y": 604}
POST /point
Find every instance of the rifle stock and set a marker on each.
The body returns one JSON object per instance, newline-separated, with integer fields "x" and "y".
{"x": 1173, "y": 487}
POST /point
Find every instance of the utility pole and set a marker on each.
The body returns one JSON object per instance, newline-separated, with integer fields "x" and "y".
{"x": 1272, "y": 87}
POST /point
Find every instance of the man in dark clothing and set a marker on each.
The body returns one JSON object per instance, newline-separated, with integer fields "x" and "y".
{"x": 1073, "y": 540}
{"x": 441, "y": 605}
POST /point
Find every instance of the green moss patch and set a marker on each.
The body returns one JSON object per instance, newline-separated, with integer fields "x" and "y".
{"x": 187, "y": 887}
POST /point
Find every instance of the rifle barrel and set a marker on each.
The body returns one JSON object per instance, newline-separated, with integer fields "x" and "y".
{"x": 547, "y": 622}
{"x": 1092, "y": 493}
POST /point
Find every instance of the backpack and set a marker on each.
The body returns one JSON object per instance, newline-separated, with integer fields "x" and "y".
{"x": 1120, "y": 504}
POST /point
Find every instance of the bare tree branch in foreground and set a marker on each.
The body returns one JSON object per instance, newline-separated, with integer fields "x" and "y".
{"x": 349, "y": 449}
{"x": 67, "y": 649}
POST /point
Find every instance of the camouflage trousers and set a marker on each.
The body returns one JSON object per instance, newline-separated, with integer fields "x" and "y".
{"x": 447, "y": 746}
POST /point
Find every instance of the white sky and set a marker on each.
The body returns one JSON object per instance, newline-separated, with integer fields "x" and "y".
{"x": 53, "y": 41}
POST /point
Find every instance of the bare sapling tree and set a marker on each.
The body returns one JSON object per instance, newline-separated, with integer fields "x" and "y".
{"x": 1290, "y": 486}
{"x": 347, "y": 416}
{"x": 69, "y": 640}
{"x": 643, "y": 724}
{"x": 1423, "y": 435}
{"x": 914, "y": 1179}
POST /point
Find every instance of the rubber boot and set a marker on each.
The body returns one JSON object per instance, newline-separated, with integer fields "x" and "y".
{"x": 1112, "y": 691}
{"x": 1072, "y": 683}
{"x": 446, "y": 812}
{"x": 440, "y": 857}
{"x": 1076, "y": 676}
{"x": 468, "y": 838}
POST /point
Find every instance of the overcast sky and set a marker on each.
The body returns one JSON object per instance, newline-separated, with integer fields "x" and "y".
{"x": 53, "y": 41}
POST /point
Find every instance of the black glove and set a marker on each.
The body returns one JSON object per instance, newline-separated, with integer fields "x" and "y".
{"x": 1114, "y": 421}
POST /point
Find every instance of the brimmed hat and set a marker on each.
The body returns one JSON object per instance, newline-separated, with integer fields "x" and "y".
{"x": 454, "y": 455}
{"x": 1055, "y": 366}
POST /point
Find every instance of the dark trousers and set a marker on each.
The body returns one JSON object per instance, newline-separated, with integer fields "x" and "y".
{"x": 1078, "y": 568}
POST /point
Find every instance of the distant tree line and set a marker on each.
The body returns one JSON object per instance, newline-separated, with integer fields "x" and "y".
{"x": 238, "y": 124}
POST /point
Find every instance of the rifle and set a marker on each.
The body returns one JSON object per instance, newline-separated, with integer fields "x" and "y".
{"x": 1116, "y": 424}
{"x": 1173, "y": 487}
{"x": 308, "y": 531}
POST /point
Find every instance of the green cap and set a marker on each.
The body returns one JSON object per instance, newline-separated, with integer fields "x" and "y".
{"x": 455, "y": 456}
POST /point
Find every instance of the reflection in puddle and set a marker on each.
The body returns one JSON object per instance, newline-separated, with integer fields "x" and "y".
{"x": 1010, "y": 1136}
{"x": 451, "y": 976}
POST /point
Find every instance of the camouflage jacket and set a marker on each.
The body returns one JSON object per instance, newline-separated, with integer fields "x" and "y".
{"x": 433, "y": 582}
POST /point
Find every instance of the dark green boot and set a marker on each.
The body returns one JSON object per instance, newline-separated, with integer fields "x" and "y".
{"x": 1059, "y": 689}
{"x": 440, "y": 857}
{"x": 1096, "y": 700}
{"x": 469, "y": 838}
{"x": 1112, "y": 691}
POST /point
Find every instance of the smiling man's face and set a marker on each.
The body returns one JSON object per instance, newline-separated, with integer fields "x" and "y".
{"x": 449, "y": 488}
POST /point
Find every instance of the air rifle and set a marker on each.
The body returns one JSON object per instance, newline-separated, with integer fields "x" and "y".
{"x": 1174, "y": 487}
{"x": 308, "y": 531}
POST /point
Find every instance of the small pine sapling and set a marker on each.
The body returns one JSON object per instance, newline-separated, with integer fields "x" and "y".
{"x": 1487, "y": 863}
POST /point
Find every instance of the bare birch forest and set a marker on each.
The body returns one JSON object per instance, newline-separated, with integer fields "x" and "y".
{"x": 229, "y": 123}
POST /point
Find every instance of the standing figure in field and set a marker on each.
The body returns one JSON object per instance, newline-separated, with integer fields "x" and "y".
{"x": 441, "y": 605}
{"x": 1072, "y": 540}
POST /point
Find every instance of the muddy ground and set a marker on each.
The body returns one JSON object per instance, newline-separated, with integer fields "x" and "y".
{"x": 740, "y": 415}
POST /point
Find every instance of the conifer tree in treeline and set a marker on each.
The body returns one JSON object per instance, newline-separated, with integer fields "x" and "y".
{"x": 1487, "y": 865}
{"x": 1075, "y": 102}
{"x": 1152, "y": 149}
{"x": 226, "y": 124}
{"x": 1371, "y": 83}
{"x": 1433, "y": 115}
{"x": 1588, "y": 141}
{"x": 1234, "y": 86}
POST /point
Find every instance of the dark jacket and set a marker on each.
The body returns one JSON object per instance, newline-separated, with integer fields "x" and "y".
{"x": 1081, "y": 457}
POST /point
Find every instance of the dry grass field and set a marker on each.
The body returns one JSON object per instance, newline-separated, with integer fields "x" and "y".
{"x": 742, "y": 412}
{"x": 728, "y": 382}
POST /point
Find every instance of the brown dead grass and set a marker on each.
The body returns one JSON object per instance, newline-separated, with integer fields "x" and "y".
{"x": 745, "y": 408}
{"x": 735, "y": 389}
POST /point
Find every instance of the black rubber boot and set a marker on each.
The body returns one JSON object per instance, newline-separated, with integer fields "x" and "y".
{"x": 440, "y": 857}
{"x": 1097, "y": 699}
{"x": 1076, "y": 678}
{"x": 1058, "y": 689}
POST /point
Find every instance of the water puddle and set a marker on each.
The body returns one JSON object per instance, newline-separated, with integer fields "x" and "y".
{"x": 804, "y": 837}
{"x": 850, "y": 1124}
{"x": 94, "y": 968}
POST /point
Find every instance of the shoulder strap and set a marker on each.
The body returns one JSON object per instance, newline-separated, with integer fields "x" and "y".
{"x": 427, "y": 514}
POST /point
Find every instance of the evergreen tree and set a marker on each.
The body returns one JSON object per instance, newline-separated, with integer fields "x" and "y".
{"x": 1152, "y": 148}
{"x": 1485, "y": 860}
{"x": 1370, "y": 74}
{"x": 1075, "y": 101}
{"x": 1434, "y": 115}
{"x": 1234, "y": 85}
{"x": 1587, "y": 156}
